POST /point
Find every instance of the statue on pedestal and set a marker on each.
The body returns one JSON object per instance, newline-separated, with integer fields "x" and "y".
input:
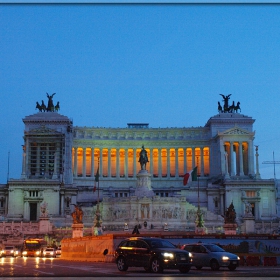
{"x": 77, "y": 215}
{"x": 230, "y": 214}
{"x": 143, "y": 158}
{"x": 248, "y": 209}
{"x": 44, "y": 210}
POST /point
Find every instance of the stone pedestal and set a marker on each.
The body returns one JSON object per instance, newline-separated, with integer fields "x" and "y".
{"x": 249, "y": 224}
{"x": 144, "y": 187}
{"x": 44, "y": 225}
{"x": 230, "y": 228}
{"x": 77, "y": 230}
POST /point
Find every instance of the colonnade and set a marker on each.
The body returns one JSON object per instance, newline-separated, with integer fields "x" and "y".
{"x": 238, "y": 158}
{"x": 123, "y": 162}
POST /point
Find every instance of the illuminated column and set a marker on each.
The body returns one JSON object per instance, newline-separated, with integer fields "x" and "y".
{"x": 126, "y": 163}
{"x": 193, "y": 158}
{"x": 118, "y": 163}
{"x": 202, "y": 161}
{"x": 232, "y": 167}
{"x": 223, "y": 163}
{"x": 240, "y": 149}
{"x": 159, "y": 164}
{"x": 176, "y": 163}
{"x": 251, "y": 157}
{"x": 84, "y": 161}
{"x": 185, "y": 160}
{"x": 75, "y": 161}
{"x": 101, "y": 162}
{"x": 92, "y": 162}
{"x": 134, "y": 163}
{"x": 168, "y": 162}
{"x": 151, "y": 162}
{"x": 109, "y": 162}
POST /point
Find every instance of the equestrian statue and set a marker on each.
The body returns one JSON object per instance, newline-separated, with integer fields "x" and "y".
{"x": 143, "y": 158}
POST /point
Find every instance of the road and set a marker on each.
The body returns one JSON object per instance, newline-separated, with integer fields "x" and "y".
{"x": 51, "y": 268}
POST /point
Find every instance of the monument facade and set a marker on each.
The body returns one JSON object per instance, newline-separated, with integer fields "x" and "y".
{"x": 140, "y": 186}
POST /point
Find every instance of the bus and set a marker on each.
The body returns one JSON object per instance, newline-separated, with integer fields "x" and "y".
{"x": 33, "y": 247}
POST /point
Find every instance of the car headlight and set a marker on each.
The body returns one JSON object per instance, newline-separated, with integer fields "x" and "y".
{"x": 225, "y": 258}
{"x": 51, "y": 253}
{"x": 24, "y": 252}
{"x": 238, "y": 258}
{"x": 37, "y": 252}
{"x": 168, "y": 255}
{"x": 190, "y": 255}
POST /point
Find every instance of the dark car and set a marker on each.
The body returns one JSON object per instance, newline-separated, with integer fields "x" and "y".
{"x": 153, "y": 254}
{"x": 211, "y": 255}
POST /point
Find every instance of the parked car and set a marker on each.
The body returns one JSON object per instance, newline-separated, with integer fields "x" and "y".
{"x": 211, "y": 255}
{"x": 153, "y": 254}
{"x": 11, "y": 251}
{"x": 49, "y": 252}
{"x": 58, "y": 251}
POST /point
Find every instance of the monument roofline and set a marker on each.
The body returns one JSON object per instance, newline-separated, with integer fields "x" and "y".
{"x": 45, "y": 117}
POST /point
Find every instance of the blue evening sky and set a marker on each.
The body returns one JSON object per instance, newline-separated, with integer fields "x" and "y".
{"x": 162, "y": 64}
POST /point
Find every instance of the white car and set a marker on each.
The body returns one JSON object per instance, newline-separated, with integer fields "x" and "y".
{"x": 211, "y": 255}
{"x": 49, "y": 252}
{"x": 10, "y": 251}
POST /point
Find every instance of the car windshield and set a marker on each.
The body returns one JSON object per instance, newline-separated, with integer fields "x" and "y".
{"x": 161, "y": 244}
{"x": 9, "y": 247}
{"x": 214, "y": 248}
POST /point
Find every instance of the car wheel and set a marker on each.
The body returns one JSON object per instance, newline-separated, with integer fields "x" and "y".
{"x": 198, "y": 267}
{"x": 156, "y": 266}
{"x": 121, "y": 264}
{"x": 232, "y": 267}
{"x": 185, "y": 269}
{"x": 214, "y": 265}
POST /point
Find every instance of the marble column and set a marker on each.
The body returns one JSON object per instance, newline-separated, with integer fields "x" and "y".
{"x": 193, "y": 158}
{"x": 92, "y": 162}
{"x": 223, "y": 163}
{"x": 202, "y": 161}
{"x": 101, "y": 163}
{"x": 134, "y": 163}
{"x": 232, "y": 167}
{"x": 75, "y": 161}
{"x": 23, "y": 171}
{"x": 251, "y": 157}
{"x": 118, "y": 162}
{"x": 159, "y": 164}
{"x": 109, "y": 163}
{"x": 126, "y": 163}
{"x": 185, "y": 160}
{"x": 151, "y": 162}
{"x": 240, "y": 149}
{"x": 176, "y": 163}
{"x": 84, "y": 161}
{"x": 168, "y": 162}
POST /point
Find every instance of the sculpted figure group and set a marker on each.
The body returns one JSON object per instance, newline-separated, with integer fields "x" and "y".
{"x": 50, "y": 108}
{"x": 226, "y": 108}
{"x": 77, "y": 215}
